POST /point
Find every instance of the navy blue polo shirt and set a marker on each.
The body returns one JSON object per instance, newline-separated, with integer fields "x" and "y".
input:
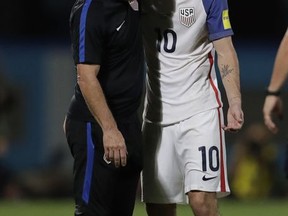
{"x": 108, "y": 33}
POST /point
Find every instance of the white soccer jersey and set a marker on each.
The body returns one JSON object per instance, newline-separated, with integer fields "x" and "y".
{"x": 181, "y": 78}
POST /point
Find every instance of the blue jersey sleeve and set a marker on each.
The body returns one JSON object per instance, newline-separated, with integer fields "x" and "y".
{"x": 218, "y": 22}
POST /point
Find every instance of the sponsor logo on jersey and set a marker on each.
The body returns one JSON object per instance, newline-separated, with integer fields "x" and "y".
{"x": 204, "y": 178}
{"x": 119, "y": 27}
{"x": 187, "y": 16}
{"x": 225, "y": 20}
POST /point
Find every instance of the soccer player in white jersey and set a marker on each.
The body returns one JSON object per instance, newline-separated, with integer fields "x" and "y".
{"x": 183, "y": 127}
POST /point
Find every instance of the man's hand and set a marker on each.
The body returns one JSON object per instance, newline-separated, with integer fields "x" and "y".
{"x": 273, "y": 105}
{"x": 114, "y": 147}
{"x": 235, "y": 118}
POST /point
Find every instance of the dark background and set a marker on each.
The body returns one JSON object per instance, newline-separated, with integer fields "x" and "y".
{"x": 253, "y": 19}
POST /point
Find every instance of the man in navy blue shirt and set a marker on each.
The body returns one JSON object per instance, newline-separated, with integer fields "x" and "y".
{"x": 102, "y": 126}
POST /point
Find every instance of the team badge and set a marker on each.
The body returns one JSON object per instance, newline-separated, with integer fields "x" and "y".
{"x": 187, "y": 16}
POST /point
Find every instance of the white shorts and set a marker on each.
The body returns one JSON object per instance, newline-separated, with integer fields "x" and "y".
{"x": 183, "y": 157}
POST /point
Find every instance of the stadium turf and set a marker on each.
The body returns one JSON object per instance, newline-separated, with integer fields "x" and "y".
{"x": 64, "y": 207}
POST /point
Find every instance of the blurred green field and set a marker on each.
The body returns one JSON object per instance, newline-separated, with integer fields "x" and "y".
{"x": 65, "y": 208}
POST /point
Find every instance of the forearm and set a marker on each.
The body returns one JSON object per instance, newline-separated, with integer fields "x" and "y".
{"x": 96, "y": 102}
{"x": 113, "y": 141}
{"x": 229, "y": 71}
{"x": 94, "y": 96}
{"x": 280, "y": 69}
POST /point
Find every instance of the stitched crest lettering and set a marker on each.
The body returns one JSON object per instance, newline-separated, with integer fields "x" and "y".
{"x": 187, "y": 16}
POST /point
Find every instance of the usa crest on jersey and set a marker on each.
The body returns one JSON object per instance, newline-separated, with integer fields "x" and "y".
{"x": 187, "y": 16}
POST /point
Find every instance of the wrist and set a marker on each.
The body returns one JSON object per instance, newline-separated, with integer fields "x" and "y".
{"x": 272, "y": 93}
{"x": 234, "y": 100}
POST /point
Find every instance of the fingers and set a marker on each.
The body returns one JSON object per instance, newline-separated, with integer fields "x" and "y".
{"x": 123, "y": 157}
{"x": 111, "y": 155}
{"x": 231, "y": 129}
{"x": 115, "y": 147}
{"x": 273, "y": 107}
{"x": 270, "y": 124}
{"x": 235, "y": 122}
{"x": 117, "y": 156}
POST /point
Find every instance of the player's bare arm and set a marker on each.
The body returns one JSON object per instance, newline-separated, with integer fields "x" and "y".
{"x": 113, "y": 141}
{"x": 280, "y": 69}
{"x": 229, "y": 70}
{"x": 273, "y": 105}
